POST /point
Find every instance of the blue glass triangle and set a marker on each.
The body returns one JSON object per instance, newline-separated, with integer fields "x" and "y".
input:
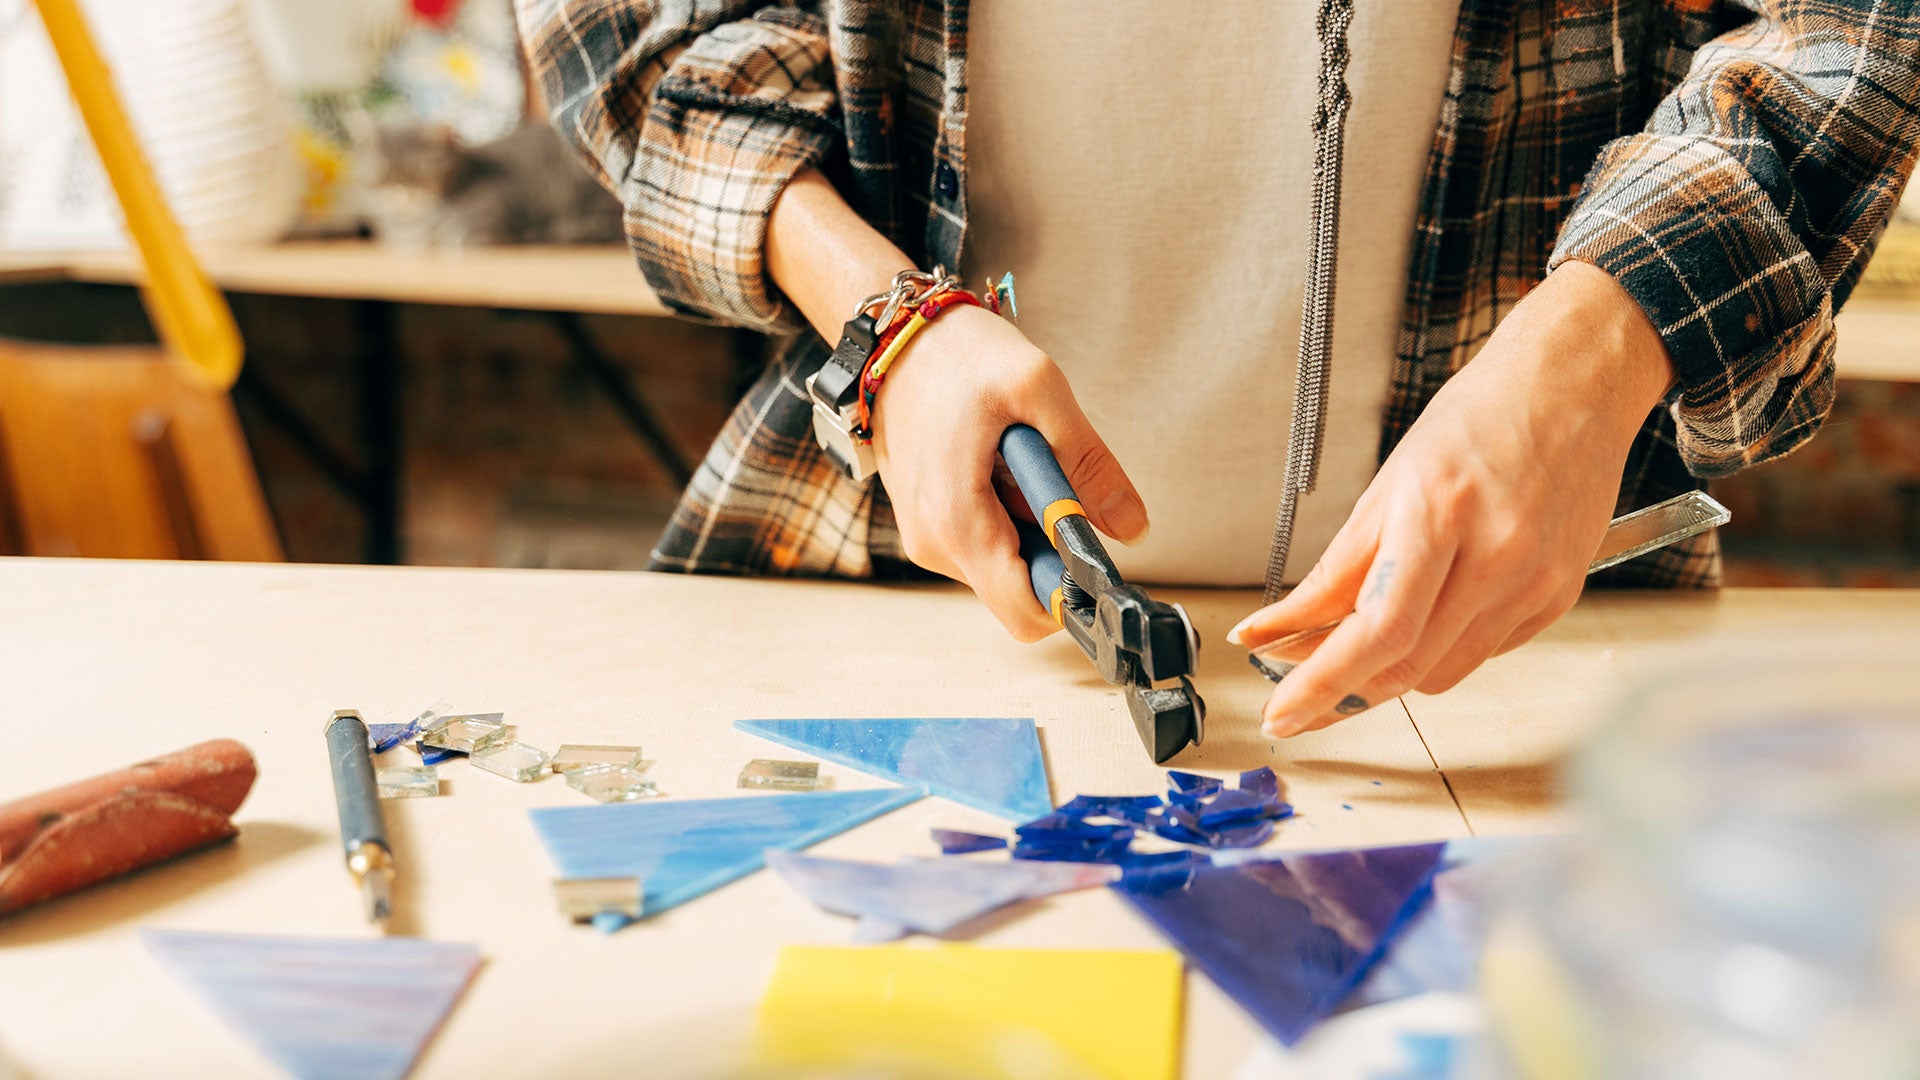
{"x": 988, "y": 763}
{"x": 680, "y": 850}
{"x": 1287, "y": 938}
{"x": 323, "y": 1008}
{"x": 928, "y": 896}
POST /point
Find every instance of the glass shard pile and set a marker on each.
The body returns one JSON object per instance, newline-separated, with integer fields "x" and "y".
{"x": 1197, "y": 811}
{"x": 465, "y": 734}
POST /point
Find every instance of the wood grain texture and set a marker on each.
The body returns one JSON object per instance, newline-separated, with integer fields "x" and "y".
{"x": 144, "y": 657}
{"x": 1503, "y": 735}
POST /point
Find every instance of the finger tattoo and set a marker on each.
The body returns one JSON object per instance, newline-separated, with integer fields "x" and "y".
{"x": 1351, "y": 704}
{"x": 1382, "y": 574}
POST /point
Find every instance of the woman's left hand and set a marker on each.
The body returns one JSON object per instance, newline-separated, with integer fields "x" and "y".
{"x": 1477, "y": 531}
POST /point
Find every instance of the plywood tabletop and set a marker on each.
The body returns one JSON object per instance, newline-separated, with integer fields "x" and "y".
{"x": 599, "y": 278}
{"x": 108, "y": 662}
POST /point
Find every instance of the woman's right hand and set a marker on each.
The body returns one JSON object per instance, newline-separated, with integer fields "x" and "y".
{"x": 938, "y": 417}
{"x": 937, "y": 421}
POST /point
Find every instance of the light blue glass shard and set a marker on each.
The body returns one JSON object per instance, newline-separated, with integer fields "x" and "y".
{"x": 874, "y": 930}
{"x": 323, "y": 1008}
{"x": 932, "y": 896}
{"x": 684, "y": 849}
{"x": 988, "y": 763}
{"x": 1287, "y": 938}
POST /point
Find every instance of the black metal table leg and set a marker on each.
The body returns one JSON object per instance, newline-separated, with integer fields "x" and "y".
{"x": 377, "y": 379}
{"x": 614, "y": 383}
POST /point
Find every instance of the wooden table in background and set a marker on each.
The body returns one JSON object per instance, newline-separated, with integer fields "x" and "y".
{"x": 599, "y": 279}
{"x": 559, "y": 284}
{"x": 1877, "y": 333}
{"x": 107, "y": 662}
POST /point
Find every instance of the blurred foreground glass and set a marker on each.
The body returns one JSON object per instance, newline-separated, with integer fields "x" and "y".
{"x": 1745, "y": 898}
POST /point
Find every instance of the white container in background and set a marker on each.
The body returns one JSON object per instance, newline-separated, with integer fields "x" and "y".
{"x": 215, "y": 126}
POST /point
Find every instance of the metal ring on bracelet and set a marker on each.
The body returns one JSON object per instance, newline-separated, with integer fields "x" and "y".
{"x": 910, "y": 287}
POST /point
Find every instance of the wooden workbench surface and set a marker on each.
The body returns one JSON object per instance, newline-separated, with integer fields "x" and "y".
{"x": 104, "y": 663}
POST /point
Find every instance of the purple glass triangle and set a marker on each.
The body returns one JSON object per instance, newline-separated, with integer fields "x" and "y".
{"x": 1287, "y": 938}
{"x": 931, "y": 896}
{"x": 323, "y": 1008}
{"x": 683, "y": 849}
{"x": 988, "y": 763}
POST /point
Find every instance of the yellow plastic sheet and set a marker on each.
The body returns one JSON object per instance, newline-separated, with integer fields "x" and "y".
{"x": 983, "y": 1014}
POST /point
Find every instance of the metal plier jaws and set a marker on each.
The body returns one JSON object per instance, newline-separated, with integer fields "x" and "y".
{"x": 1147, "y": 646}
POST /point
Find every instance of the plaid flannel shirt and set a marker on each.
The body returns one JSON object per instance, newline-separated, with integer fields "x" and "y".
{"x": 1730, "y": 162}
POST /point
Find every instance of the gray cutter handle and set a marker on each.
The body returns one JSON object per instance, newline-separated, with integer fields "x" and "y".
{"x": 354, "y": 790}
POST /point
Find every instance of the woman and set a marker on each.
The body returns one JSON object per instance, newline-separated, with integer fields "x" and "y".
{"x": 1635, "y": 219}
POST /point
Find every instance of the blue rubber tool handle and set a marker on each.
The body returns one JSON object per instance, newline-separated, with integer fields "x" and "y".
{"x": 1043, "y": 484}
{"x": 1034, "y": 468}
{"x": 1044, "y": 566}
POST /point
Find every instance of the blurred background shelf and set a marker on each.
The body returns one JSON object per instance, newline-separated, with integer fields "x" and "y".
{"x": 457, "y": 401}
{"x": 589, "y": 279}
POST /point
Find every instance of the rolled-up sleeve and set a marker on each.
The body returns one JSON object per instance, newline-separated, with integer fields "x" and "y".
{"x": 1743, "y": 214}
{"x": 696, "y": 116}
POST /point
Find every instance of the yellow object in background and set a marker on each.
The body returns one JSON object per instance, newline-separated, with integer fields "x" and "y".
{"x": 190, "y": 315}
{"x": 1535, "y": 1009}
{"x": 983, "y": 1014}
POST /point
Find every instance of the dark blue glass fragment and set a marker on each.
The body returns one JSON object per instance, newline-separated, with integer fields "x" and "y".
{"x": 1261, "y": 781}
{"x": 1231, "y": 808}
{"x": 1178, "y": 824}
{"x": 384, "y": 737}
{"x": 1148, "y": 860}
{"x": 1057, "y": 829}
{"x": 953, "y": 842}
{"x": 434, "y": 755}
{"x": 1131, "y": 809}
{"x": 1081, "y": 852}
{"x": 1187, "y": 783}
{"x": 1249, "y": 835}
{"x": 1286, "y": 938}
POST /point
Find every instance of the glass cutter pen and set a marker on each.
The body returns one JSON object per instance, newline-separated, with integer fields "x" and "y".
{"x": 363, "y": 830}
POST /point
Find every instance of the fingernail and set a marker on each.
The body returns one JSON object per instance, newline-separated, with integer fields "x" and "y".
{"x": 1124, "y": 514}
{"x": 1233, "y": 636}
{"x": 1240, "y": 628}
